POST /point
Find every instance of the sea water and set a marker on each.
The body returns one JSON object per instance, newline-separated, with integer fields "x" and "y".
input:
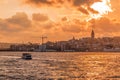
{"x": 60, "y": 66}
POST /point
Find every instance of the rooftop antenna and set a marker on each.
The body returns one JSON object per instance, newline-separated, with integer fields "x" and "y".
{"x": 42, "y": 38}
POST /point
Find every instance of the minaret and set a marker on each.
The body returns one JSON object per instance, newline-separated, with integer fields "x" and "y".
{"x": 92, "y": 40}
{"x": 92, "y": 34}
{"x": 73, "y": 38}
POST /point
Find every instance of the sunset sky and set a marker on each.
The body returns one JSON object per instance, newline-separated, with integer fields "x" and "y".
{"x": 28, "y": 20}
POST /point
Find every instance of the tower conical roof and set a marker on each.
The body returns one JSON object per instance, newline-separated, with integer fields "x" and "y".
{"x": 92, "y": 34}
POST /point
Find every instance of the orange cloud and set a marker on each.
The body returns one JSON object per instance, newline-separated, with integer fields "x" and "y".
{"x": 39, "y": 17}
{"x": 83, "y": 10}
{"x": 20, "y": 19}
{"x": 64, "y": 19}
{"x": 57, "y": 2}
{"x": 15, "y": 26}
{"x": 84, "y": 2}
{"x": 76, "y": 4}
{"x": 21, "y": 28}
{"x": 56, "y": 19}
{"x": 92, "y": 10}
{"x": 73, "y": 26}
{"x": 105, "y": 26}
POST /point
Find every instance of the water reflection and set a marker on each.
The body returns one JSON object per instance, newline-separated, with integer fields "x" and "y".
{"x": 61, "y": 66}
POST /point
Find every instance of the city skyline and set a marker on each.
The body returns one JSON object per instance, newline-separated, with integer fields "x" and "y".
{"x": 28, "y": 20}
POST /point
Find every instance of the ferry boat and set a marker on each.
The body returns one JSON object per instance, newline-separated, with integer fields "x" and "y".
{"x": 26, "y": 56}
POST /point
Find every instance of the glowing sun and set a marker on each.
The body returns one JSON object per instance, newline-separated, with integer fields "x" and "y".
{"x": 103, "y": 7}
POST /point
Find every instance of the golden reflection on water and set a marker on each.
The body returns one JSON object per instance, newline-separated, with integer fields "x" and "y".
{"x": 60, "y": 66}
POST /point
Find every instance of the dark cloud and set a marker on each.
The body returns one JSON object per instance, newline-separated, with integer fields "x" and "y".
{"x": 5, "y": 26}
{"x": 77, "y": 4}
{"x": 20, "y": 19}
{"x": 16, "y": 23}
{"x": 56, "y": 2}
{"x": 84, "y": 2}
{"x": 40, "y": 3}
{"x": 80, "y": 2}
{"x": 92, "y": 10}
{"x": 83, "y": 10}
{"x": 42, "y": 21}
{"x": 64, "y": 19}
{"x": 87, "y": 10}
{"x": 39, "y": 17}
